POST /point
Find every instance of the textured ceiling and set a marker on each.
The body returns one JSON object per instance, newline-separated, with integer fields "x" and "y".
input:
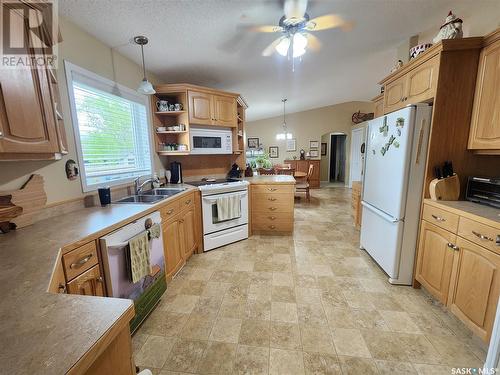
{"x": 203, "y": 42}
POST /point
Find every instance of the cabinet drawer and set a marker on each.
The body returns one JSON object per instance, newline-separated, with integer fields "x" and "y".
{"x": 272, "y": 202}
{"x": 273, "y": 189}
{"x": 441, "y": 218}
{"x": 278, "y": 225}
{"x": 79, "y": 260}
{"x": 186, "y": 202}
{"x": 480, "y": 234}
{"x": 271, "y": 218}
{"x": 170, "y": 209}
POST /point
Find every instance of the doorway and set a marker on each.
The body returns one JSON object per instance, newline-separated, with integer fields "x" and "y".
{"x": 337, "y": 158}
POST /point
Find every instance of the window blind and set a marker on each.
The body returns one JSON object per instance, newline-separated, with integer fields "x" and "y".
{"x": 113, "y": 132}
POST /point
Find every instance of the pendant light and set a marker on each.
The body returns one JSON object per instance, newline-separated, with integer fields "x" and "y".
{"x": 285, "y": 134}
{"x": 145, "y": 87}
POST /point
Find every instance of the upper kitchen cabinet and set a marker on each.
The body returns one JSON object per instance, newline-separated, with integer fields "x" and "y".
{"x": 485, "y": 124}
{"x": 224, "y": 110}
{"x": 200, "y": 108}
{"x": 31, "y": 126}
{"x": 378, "y": 102}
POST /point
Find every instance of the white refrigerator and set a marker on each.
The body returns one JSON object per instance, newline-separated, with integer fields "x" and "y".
{"x": 396, "y": 152}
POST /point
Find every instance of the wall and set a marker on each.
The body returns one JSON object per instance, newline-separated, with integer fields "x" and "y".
{"x": 309, "y": 126}
{"x": 83, "y": 50}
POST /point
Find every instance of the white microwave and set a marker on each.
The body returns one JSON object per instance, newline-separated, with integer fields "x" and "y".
{"x": 211, "y": 141}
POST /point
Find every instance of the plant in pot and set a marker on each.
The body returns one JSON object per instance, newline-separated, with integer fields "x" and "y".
{"x": 263, "y": 161}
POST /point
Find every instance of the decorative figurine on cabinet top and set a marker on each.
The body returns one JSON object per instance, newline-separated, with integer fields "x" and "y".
{"x": 451, "y": 29}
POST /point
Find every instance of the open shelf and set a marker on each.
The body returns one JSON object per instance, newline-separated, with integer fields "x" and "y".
{"x": 169, "y": 153}
{"x": 170, "y": 113}
{"x": 172, "y": 132}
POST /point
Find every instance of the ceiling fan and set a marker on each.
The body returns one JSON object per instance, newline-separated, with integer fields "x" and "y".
{"x": 295, "y": 27}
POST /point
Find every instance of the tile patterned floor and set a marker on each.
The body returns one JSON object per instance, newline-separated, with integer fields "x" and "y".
{"x": 311, "y": 303}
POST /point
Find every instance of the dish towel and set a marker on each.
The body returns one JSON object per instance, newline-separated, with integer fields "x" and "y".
{"x": 154, "y": 231}
{"x": 228, "y": 207}
{"x": 140, "y": 260}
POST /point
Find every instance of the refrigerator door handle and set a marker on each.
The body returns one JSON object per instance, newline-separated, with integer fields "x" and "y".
{"x": 379, "y": 212}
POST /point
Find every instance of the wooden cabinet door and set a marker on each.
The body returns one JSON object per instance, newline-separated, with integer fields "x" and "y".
{"x": 200, "y": 108}
{"x": 89, "y": 283}
{"x": 421, "y": 81}
{"x": 394, "y": 94}
{"x": 302, "y": 166}
{"x": 225, "y": 111}
{"x": 435, "y": 260}
{"x": 27, "y": 121}
{"x": 172, "y": 247}
{"x": 188, "y": 234}
{"x": 485, "y": 124}
{"x": 476, "y": 287}
{"x": 379, "y": 107}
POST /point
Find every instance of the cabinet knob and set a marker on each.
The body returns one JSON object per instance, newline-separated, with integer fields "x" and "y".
{"x": 99, "y": 279}
{"x": 272, "y": 227}
{"x": 272, "y": 189}
{"x": 272, "y": 217}
{"x": 80, "y": 262}
{"x": 273, "y": 208}
{"x": 271, "y": 199}
{"x": 169, "y": 212}
{"x": 482, "y": 236}
{"x": 62, "y": 288}
{"x": 452, "y": 246}
{"x": 1, "y": 134}
{"x": 188, "y": 201}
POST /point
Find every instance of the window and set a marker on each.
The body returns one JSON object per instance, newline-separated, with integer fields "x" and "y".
{"x": 111, "y": 129}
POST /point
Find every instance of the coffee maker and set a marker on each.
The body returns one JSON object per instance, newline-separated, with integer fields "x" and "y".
{"x": 176, "y": 173}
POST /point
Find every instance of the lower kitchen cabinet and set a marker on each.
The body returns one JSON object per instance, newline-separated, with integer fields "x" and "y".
{"x": 89, "y": 283}
{"x": 476, "y": 285}
{"x": 187, "y": 234}
{"x": 435, "y": 260}
{"x": 180, "y": 235}
{"x": 272, "y": 208}
{"x": 172, "y": 247}
{"x": 458, "y": 262}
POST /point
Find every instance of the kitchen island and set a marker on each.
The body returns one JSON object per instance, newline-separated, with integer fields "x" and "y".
{"x": 271, "y": 204}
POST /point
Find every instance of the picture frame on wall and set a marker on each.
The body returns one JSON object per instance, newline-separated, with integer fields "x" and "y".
{"x": 273, "y": 152}
{"x": 291, "y": 144}
{"x": 253, "y": 143}
{"x": 313, "y": 145}
{"x": 314, "y": 153}
{"x": 323, "y": 149}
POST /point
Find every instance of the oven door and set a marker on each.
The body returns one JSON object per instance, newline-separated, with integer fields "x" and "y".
{"x": 211, "y": 222}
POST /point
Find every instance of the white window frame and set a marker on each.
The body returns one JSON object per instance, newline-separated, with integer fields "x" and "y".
{"x": 70, "y": 68}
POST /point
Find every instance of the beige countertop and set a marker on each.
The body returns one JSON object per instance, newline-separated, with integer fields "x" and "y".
{"x": 44, "y": 333}
{"x": 479, "y": 212}
{"x": 270, "y": 179}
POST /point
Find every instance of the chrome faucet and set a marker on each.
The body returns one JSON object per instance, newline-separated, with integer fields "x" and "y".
{"x": 139, "y": 187}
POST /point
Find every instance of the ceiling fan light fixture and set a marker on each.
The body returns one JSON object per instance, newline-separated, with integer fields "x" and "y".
{"x": 283, "y": 45}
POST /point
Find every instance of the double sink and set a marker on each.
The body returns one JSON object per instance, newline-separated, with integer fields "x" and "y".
{"x": 151, "y": 196}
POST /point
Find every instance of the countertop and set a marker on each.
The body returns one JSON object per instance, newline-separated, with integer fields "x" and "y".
{"x": 45, "y": 333}
{"x": 270, "y": 179}
{"x": 479, "y": 212}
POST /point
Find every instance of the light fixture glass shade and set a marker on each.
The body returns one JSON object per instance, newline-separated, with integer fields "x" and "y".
{"x": 282, "y": 46}
{"x": 289, "y": 135}
{"x": 299, "y": 45}
{"x": 146, "y": 88}
{"x": 280, "y": 136}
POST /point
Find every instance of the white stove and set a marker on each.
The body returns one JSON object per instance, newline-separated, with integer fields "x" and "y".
{"x": 218, "y": 232}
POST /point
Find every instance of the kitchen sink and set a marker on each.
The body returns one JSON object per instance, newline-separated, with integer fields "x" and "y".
{"x": 148, "y": 199}
{"x": 165, "y": 192}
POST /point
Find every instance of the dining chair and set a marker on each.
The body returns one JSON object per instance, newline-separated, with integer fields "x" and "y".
{"x": 303, "y": 187}
{"x": 264, "y": 171}
{"x": 286, "y": 171}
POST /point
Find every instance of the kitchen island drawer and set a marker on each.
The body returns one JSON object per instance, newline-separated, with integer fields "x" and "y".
{"x": 79, "y": 260}
{"x": 441, "y": 218}
{"x": 481, "y": 234}
{"x": 262, "y": 203}
{"x": 273, "y": 226}
{"x": 273, "y": 189}
{"x": 271, "y": 218}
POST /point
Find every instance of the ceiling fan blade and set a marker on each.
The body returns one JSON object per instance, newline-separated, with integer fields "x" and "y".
{"x": 265, "y": 29}
{"x": 328, "y": 21}
{"x": 313, "y": 43}
{"x": 295, "y": 9}
{"x": 269, "y": 50}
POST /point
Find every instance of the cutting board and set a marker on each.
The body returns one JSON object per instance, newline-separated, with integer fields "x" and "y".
{"x": 30, "y": 197}
{"x": 445, "y": 189}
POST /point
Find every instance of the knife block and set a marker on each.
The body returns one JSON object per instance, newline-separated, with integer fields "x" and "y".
{"x": 445, "y": 189}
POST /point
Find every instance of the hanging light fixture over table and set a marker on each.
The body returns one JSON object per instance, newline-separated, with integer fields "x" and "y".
{"x": 145, "y": 87}
{"x": 285, "y": 134}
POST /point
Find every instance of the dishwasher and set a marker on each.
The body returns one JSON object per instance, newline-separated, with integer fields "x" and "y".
{"x": 145, "y": 293}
